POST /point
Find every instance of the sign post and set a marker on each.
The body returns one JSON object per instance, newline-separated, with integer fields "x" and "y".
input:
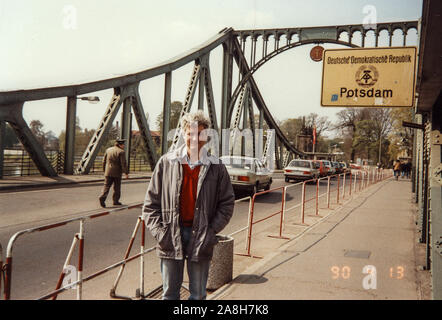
{"x": 369, "y": 77}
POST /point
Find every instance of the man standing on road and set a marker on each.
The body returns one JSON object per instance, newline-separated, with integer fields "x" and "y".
{"x": 189, "y": 200}
{"x": 114, "y": 165}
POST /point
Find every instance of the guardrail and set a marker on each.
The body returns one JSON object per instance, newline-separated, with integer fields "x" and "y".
{"x": 78, "y": 238}
{"x": 360, "y": 177}
{"x": 79, "y": 241}
{"x": 251, "y": 222}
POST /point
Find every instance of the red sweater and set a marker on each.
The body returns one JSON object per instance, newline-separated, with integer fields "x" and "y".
{"x": 188, "y": 194}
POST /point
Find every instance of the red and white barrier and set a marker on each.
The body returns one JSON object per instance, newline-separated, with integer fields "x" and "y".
{"x": 358, "y": 180}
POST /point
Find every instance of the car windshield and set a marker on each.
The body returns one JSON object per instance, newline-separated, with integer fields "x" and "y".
{"x": 237, "y": 163}
{"x": 299, "y": 163}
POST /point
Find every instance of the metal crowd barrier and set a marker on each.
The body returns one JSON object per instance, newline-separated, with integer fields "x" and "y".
{"x": 248, "y": 218}
{"x": 78, "y": 239}
{"x": 361, "y": 179}
{"x": 317, "y": 196}
{"x": 140, "y": 291}
{"x": 251, "y": 222}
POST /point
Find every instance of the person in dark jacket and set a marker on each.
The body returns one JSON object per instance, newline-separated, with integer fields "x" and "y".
{"x": 397, "y": 169}
{"x": 188, "y": 201}
{"x": 407, "y": 169}
{"x": 114, "y": 165}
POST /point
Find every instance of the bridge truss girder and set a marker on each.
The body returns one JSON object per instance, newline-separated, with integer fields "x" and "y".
{"x": 312, "y": 35}
{"x": 129, "y": 95}
{"x": 13, "y": 114}
{"x": 234, "y": 48}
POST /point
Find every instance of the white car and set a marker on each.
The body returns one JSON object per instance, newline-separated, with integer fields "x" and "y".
{"x": 301, "y": 170}
{"x": 247, "y": 173}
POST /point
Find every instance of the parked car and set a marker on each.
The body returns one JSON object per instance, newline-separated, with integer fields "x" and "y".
{"x": 337, "y": 167}
{"x": 323, "y": 169}
{"x": 247, "y": 174}
{"x": 331, "y": 169}
{"x": 344, "y": 167}
{"x": 301, "y": 170}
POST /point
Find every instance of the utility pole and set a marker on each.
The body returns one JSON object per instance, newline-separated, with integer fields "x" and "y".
{"x": 380, "y": 149}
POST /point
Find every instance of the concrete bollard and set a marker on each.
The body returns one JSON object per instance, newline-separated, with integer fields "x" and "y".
{"x": 221, "y": 266}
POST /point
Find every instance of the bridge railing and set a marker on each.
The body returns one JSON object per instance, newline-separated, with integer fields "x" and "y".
{"x": 19, "y": 163}
{"x": 360, "y": 179}
{"x": 252, "y": 221}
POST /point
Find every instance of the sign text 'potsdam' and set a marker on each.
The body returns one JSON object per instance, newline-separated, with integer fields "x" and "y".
{"x": 369, "y": 77}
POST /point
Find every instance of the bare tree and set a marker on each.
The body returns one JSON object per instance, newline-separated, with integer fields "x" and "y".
{"x": 322, "y": 123}
{"x": 383, "y": 124}
{"x": 291, "y": 129}
{"x": 348, "y": 120}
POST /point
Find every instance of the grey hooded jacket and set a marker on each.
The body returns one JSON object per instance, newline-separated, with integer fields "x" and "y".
{"x": 213, "y": 207}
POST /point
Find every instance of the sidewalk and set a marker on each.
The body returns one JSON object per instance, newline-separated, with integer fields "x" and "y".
{"x": 375, "y": 229}
{"x": 37, "y": 181}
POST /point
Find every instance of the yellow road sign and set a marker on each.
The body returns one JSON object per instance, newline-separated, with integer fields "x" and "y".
{"x": 369, "y": 77}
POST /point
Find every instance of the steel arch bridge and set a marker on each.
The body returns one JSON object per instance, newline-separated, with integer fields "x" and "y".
{"x": 126, "y": 92}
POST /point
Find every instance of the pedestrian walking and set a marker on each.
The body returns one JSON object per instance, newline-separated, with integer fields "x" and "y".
{"x": 403, "y": 169}
{"x": 114, "y": 165}
{"x": 188, "y": 201}
{"x": 397, "y": 169}
{"x": 407, "y": 169}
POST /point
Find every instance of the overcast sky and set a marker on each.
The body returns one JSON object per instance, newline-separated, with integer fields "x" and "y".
{"x": 55, "y": 42}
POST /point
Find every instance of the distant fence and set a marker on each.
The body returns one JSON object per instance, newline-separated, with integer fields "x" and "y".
{"x": 19, "y": 163}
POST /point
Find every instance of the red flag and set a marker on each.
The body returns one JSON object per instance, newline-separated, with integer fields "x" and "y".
{"x": 314, "y": 135}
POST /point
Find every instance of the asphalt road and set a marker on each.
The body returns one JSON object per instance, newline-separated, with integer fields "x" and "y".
{"x": 38, "y": 257}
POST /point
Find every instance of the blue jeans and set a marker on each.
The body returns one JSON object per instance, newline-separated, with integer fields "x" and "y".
{"x": 172, "y": 274}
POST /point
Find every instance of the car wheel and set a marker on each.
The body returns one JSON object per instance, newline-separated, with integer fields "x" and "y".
{"x": 287, "y": 179}
{"x": 254, "y": 189}
{"x": 267, "y": 187}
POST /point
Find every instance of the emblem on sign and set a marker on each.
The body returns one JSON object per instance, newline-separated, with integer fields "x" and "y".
{"x": 316, "y": 53}
{"x": 366, "y": 76}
